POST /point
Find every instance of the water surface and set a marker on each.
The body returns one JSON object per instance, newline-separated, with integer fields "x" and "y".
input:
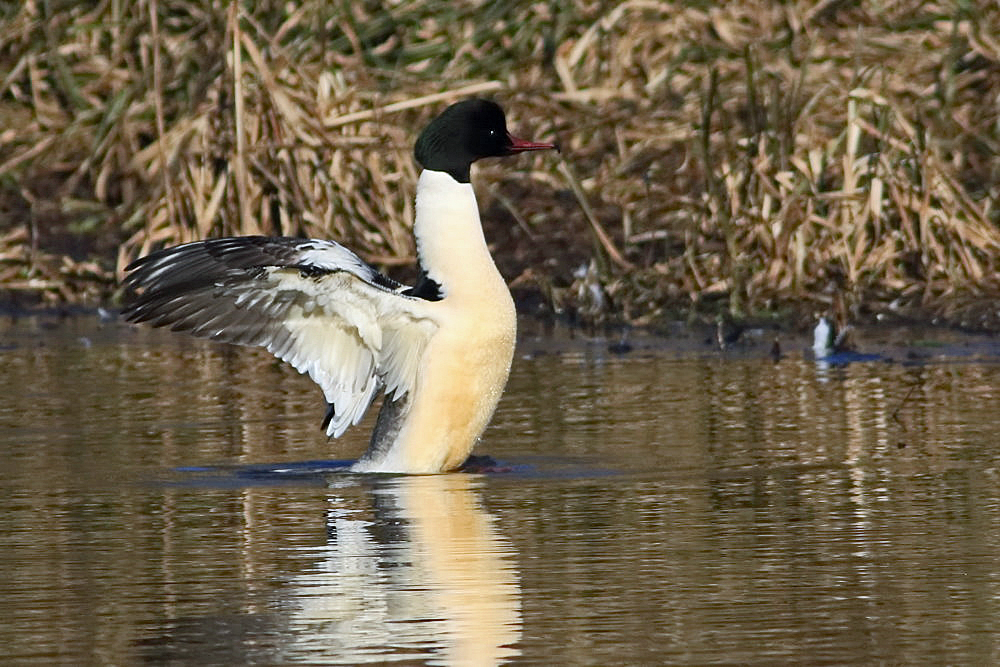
{"x": 160, "y": 504}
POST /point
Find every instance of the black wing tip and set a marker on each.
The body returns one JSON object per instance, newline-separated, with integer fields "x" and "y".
{"x": 133, "y": 313}
{"x": 330, "y": 414}
{"x": 136, "y": 264}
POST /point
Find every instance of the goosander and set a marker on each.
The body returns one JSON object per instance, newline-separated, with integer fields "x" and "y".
{"x": 440, "y": 351}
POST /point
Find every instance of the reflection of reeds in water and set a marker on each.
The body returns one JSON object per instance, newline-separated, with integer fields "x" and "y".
{"x": 752, "y": 151}
{"x": 637, "y": 413}
{"x": 868, "y": 494}
{"x": 761, "y": 495}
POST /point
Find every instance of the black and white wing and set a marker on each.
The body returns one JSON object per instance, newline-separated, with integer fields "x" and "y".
{"x": 314, "y": 304}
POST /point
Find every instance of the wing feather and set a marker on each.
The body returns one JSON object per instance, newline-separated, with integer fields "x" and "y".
{"x": 313, "y": 304}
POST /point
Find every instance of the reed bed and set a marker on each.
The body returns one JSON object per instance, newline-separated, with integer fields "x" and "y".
{"x": 746, "y": 158}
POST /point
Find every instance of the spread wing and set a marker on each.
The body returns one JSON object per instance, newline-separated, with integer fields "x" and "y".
{"x": 314, "y": 304}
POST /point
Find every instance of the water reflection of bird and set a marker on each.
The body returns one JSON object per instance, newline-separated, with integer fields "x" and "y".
{"x": 426, "y": 576}
{"x": 440, "y": 350}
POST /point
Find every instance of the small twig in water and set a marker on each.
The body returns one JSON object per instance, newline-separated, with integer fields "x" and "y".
{"x": 895, "y": 413}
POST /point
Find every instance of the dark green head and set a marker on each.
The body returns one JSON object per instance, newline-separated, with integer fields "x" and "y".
{"x": 465, "y": 132}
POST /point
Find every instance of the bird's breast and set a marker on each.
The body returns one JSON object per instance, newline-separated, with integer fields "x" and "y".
{"x": 461, "y": 379}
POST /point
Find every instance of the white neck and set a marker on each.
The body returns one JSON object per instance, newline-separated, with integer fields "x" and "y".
{"x": 450, "y": 242}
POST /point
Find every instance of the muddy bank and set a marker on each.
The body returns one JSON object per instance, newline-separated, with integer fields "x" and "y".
{"x": 769, "y": 340}
{"x": 551, "y": 272}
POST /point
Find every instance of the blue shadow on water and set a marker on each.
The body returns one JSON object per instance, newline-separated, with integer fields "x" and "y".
{"x": 308, "y": 468}
{"x": 847, "y": 357}
{"x": 320, "y": 472}
{"x": 253, "y": 474}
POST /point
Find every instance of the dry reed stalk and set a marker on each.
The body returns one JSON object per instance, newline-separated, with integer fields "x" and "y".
{"x": 603, "y": 242}
{"x": 154, "y": 25}
{"x": 245, "y": 220}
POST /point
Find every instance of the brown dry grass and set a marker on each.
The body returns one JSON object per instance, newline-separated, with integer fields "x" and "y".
{"x": 744, "y": 156}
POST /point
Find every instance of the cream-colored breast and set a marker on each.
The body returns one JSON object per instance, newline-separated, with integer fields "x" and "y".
{"x": 464, "y": 373}
{"x": 466, "y": 362}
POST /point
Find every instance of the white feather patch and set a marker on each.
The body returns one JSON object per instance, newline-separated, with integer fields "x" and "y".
{"x": 351, "y": 337}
